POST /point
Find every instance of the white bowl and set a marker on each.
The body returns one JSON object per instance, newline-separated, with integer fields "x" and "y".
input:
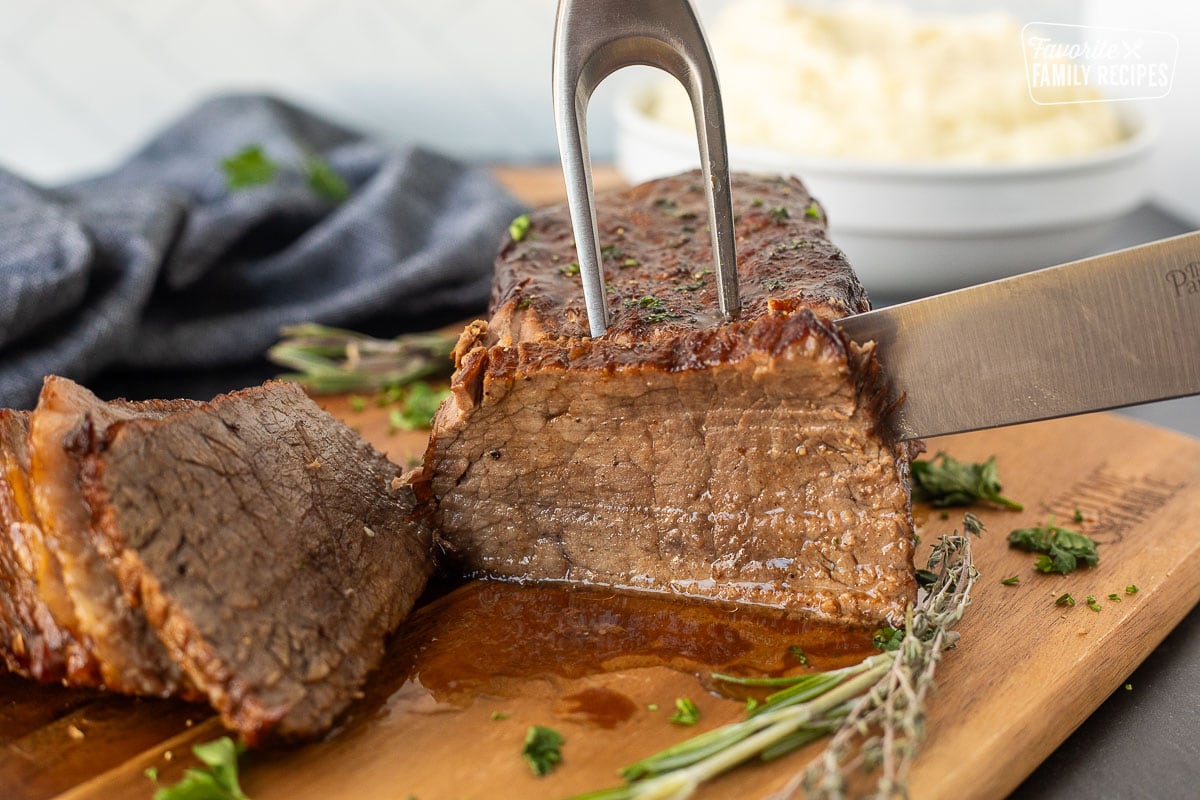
{"x": 914, "y": 229}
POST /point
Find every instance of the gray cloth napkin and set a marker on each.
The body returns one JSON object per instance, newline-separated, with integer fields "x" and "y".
{"x": 158, "y": 265}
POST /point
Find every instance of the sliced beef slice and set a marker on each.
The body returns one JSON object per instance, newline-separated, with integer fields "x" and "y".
{"x": 270, "y": 547}
{"x": 128, "y": 654}
{"x": 33, "y": 642}
{"x": 741, "y": 460}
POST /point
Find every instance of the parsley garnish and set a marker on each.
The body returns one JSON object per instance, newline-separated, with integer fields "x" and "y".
{"x": 686, "y": 712}
{"x": 645, "y": 301}
{"x": 499, "y": 716}
{"x": 420, "y": 405}
{"x": 945, "y": 481}
{"x": 661, "y": 316}
{"x": 1013, "y": 581}
{"x": 1064, "y": 600}
{"x": 1092, "y": 604}
{"x": 570, "y": 269}
{"x": 813, "y": 211}
{"x": 779, "y": 214}
{"x": 1078, "y": 517}
{"x": 797, "y": 652}
{"x": 630, "y": 262}
{"x": 1064, "y": 550}
{"x": 249, "y": 166}
{"x": 888, "y": 639}
{"x": 323, "y": 180}
{"x": 358, "y": 403}
{"x": 519, "y": 227}
{"x": 542, "y": 749}
{"x": 1116, "y": 598}
{"x": 1131, "y": 589}
{"x": 218, "y": 782}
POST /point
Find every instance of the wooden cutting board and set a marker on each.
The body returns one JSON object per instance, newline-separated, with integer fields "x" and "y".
{"x": 1026, "y": 674}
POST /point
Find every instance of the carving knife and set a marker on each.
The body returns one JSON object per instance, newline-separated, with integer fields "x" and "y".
{"x": 1114, "y": 330}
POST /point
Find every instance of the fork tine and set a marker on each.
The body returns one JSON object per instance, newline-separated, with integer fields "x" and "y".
{"x": 593, "y": 39}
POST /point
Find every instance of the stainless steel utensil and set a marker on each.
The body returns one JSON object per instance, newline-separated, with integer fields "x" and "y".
{"x": 1104, "y": 332}
{"x": 593, "y": 39}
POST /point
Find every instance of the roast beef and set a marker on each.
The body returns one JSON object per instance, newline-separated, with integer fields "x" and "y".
{"x": 128, "y": 655}
{"x": 33, "y": 642}
{"x": 270, "y": 548}
{"x": 741, "y": 460}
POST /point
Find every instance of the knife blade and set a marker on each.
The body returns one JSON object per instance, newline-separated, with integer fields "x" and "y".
{"x": 1114, "y": 330}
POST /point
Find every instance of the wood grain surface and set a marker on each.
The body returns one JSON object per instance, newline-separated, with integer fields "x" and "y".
{"x": 1026, "y": 673}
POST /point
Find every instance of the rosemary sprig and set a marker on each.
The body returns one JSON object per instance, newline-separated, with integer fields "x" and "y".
{"x": 332, "y": 360}
{"x": 875, "y": 709}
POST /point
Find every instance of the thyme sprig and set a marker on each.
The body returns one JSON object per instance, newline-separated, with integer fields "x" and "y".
{"x": 331, "y": 360}
{"x": 875, "y": 710}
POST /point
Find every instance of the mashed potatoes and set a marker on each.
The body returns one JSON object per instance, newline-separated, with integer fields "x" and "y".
{"x": 876, "y": 82}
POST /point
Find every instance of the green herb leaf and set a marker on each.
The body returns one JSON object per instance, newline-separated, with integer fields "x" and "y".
{"x": 652, "y": 707}
{"x": 1013, "y": 581}
{"x": 542, "y": 749}
{"x": 323, "y": 180}
{"x": 1131, "y": 589}
{"x": 1116, "y": 598}
{"x": 1092, "y": 604}
{"x": 218, "y": 782}
{"x": 499, "y": 716}
{"x": 358, "y": 403}
{"x": 1065, "y": 550}
{"x": 519, "y": 227}
{"x": 945, "y": 481}
{"x": 797, "y": 652}
{"x": 779, "y": 214}
{"x": 420, "y": 404}
{"x": 686, "y": 712}
{"x": 151, "y": 773}
{"x": 888, "y": 639}
{"x": 1064, "y": 600}
{"x": 630, "y": 262}
{"x": 660, "y": 316}
{"x": 813, "y": 211}
{"x": 249, "y": 166}
{"x": 569, "y": 269}
{"x": 1078, "y": 516}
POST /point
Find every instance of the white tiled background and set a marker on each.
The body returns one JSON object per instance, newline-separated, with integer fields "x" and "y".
{"x": 84, "y": 81}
